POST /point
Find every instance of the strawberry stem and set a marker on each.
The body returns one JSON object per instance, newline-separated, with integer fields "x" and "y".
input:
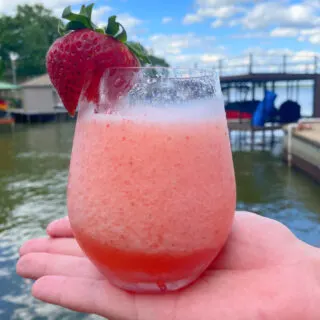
{"x": 82, "y": 20}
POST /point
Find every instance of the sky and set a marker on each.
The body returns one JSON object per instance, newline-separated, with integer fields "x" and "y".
{"x": 189, "y": 32}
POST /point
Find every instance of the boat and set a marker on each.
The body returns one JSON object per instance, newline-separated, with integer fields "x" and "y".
{"x": 259, "y": 112}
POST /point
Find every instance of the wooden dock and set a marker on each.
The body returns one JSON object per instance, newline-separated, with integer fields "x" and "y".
{"x": 302, "y": 148}
{"x": 266, "y": 71}
{"x": 269, "y": 80}
{"x": 39, "y": 116}
{"x": 244, "y": 136}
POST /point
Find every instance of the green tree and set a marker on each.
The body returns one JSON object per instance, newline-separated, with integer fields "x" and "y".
{"x": 156, "y": 61}
{"x": 2, "y": 68}
{"x": 29, "y": 34}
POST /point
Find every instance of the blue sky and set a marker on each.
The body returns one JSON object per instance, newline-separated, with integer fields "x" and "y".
{"x": 186, "y": 32}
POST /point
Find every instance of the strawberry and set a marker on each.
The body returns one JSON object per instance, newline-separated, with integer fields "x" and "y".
{"x": 77, "y": 61}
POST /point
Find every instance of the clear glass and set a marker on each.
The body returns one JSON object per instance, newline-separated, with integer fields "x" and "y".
{"x": 151, "y": 193}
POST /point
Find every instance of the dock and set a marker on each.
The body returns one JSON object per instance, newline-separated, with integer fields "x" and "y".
{"x": 7, "y": 123}
{"x": 266, "y": 71}
{"x": 302, "y": 147}
{"x": 40, "y": 115}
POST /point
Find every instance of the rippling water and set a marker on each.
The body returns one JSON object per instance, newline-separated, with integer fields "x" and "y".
{"x": 33, "y": 174}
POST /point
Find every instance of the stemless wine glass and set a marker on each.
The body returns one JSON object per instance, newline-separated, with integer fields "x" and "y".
{"x": 151, "y": 193}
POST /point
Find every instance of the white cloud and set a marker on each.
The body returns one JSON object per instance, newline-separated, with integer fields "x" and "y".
{"x": 217, "y": 3}
{"x": 166, "y": 20}
{"x": 217, "y": 23}
{"x": 186, "y": 50}
{"x": 315, "y": 39}
{"x": 313, "y": 3}
{"x": 129, "y": 22}
{"x": 220, "y": 12}
{"x": 57, "y": 7}
{"x": 163, "y": 44}
{"x": 219, "y": 9}
{"x": 192, "y": 60}
{"x": 9, "y": 7}
{"x": 250, "y": 35}
{"x": 262, "y": 55}
{"x": 311, "y": 35}
{"x": 271, "y": 61}
{"x": 303, "y": 55}
{"x": 99, "y": 15}
{"x": 192, "y": 18}
{"x": 224, "y": 12}
{"x": 284, "y": 32}
{"x": 267, "y": 14}
{"x": 210, "y": 58}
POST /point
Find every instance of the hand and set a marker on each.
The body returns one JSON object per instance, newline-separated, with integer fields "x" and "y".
{"x": 263, "y": 272}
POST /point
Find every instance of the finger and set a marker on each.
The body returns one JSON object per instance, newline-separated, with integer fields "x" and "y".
{"x": 254, "y": 242}
{"x": 36, "y": 265}
{"x": 60, "y": 228}
{"x": 67, "y": 246}
{"x": 85, "y": 295}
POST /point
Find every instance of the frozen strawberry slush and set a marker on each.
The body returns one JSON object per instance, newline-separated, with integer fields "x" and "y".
{"x": 151, "y": 197}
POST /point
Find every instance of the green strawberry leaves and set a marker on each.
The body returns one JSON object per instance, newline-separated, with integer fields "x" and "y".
{"x": 82, "y": 20}
{"x": 87, "y": 10}
{"x": 113, "y": 29}
{"x": 113, "y": 26}
{"x": 116, "y": 30}
{"x": 78, "y": 21}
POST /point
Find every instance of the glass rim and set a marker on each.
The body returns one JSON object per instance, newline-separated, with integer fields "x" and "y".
{"x": 201, "y": 71}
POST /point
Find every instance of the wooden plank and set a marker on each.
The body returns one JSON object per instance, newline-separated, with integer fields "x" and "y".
{"x": 246, "y": 126}
{"x": 311, "y": 136}
{"x": 302, "y": 164}
{"x": 263, "y": 77}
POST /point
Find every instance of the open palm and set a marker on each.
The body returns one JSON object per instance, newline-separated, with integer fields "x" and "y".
{"x": 263, "y": 272}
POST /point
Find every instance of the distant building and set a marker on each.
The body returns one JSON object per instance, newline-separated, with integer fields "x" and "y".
{"x": 39, "y": 97}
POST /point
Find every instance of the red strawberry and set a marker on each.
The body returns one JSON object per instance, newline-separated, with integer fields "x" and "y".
{"x": 81, "y": 57}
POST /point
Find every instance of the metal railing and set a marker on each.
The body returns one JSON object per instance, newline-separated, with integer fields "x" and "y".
{"x": 268, "y": 63}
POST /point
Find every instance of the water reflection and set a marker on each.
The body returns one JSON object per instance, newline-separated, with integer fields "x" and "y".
{"x": 33, "y": 174}
{"x": 267, "y": 186}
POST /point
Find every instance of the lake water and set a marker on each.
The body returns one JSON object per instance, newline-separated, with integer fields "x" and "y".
{"x": 33, "y": 173}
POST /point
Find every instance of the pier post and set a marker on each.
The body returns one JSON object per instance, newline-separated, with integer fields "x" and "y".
{"x": 272, "y": 136}
{"x": 220, "y": 66}
{"x": 263, "y": 138}
{"x": 315, "y": 64}
{"x": 252, "y": 138}
{"x": 250, "y": 63}
{"x": 316, "y": 96}
{"x": 253, "y": 90}
{"x": 284, "y": 64}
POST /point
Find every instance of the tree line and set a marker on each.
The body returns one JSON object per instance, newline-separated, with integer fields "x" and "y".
{"x": 28, "y": 34}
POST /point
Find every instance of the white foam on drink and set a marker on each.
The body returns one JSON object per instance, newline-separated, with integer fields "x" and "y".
{"x": 193, "y": 111}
